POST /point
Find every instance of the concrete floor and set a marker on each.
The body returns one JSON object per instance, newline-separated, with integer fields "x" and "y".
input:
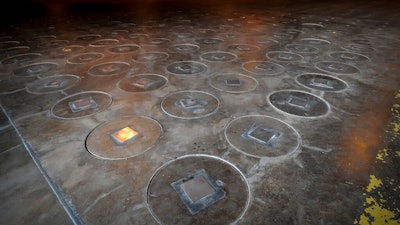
{"x": 278, "y": 113}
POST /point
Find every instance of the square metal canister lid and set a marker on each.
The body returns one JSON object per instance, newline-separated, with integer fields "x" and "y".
{"x": 198, "y": 191}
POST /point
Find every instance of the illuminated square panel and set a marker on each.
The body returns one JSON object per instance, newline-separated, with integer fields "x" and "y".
{"x": 198, "y": 191}
{"x": 83, "y": 104}
{"x": 109, "y": 68}
{"x": 124, "y": 135}
{"x": 66, "y": 49}
{"x": 262, "y": 135}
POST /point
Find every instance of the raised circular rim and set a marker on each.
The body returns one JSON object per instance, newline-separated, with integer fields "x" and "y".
{"x": 199, "y": 41}
{"x": 38, "y": 55}
{"x": 93, "y": 44}
{"x": 284, "y": 61}
{"x": 296, "y": 149}
{"x": 256, "y": 48}
{"x": 305, "y": 92}
{"x": 80, "y": 117}
{"x": 80, "y": 37}
{"x": 321, "y": 74}
{"x": 165, "y": 41}
{"x": 325, "y": 42}
{"x": 32, "y": 64}
{"x": 48, "y": 78}
{"x": 228, "y": 53}
{"x": 117, "y": 119}
{"x": 171, "y": 48}
{"x": 315, "y": 49}
{"x": 80, "y": 47}
{"x": 193, "y": 117}
{"x": 349, "y": 52}
{"x": 86, "y": 53}
{"x": 330, "y": 61}
{"x": 165, "y": 56}
{"x": 157, "y": 171}
{"x": 123, "y": 45}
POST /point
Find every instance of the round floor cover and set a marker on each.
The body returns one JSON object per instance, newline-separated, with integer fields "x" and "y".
{"x": 186, "y": 68}
{"x": 70, "y": 49}
{"x": 35, "y": 69}
{"x": 184, "y": 48}
{"x": 233, "y": 83}
{"x": 358, "y": 48}
{"x": 53, "y": 84}
{"x": 126, "y": 48}
{"x": 53, "y": 44}
{"x": 88, "y": 37}
{"x": 298, "y": 103}
{"x": 218, "y": 56}
{"x": 282, "y": 56}
{"x": 16, "y": 50}
{"x": 315, "y": 41}
{"x": 123, "y": 138}
{"x": 206, "y": 32}
{"x": 137, "y": 37}
{"x": 65, "y": 51}
{"x": 104, "y": 42}
{"x": 321, "y": 82}
{"x": 22, "y": 58}
{"x": 263, "y": 68}
{"x": 190, "y": 104}
{"x": 157, "y": 41}
{"x": 283, "y": 36}
{"x": 313, "y": 26}
{"x": 149, "y": 57}
{"x": 42, "y": 38}
{"x": 337, "y": 68}
{"x": 262, "y": 136}
{"x": 143, "y": 82}
{"x": 209, "y": 41}
{"x": 198, "y": 189}
{"x": 85, "y": 58}
{"x": 243, "y": 48}
{"x": 14, "y": 84}
{"x": 9, "y": 44}
{"x": 302, "y": 49}
{"x": 108, "y": 69}
{"x": 348, "y": 56}
{"x": 81, "y": 105}
{"x": 183, "y": 35}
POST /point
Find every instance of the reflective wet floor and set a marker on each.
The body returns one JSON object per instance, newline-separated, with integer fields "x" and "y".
{"x": 234, "y": 113}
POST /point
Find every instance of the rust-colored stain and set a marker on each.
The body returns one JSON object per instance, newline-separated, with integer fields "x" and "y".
{"x": 381, "y": 205}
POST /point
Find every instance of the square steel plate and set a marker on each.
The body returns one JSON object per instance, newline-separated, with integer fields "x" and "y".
{"x": 198, "y": 191}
